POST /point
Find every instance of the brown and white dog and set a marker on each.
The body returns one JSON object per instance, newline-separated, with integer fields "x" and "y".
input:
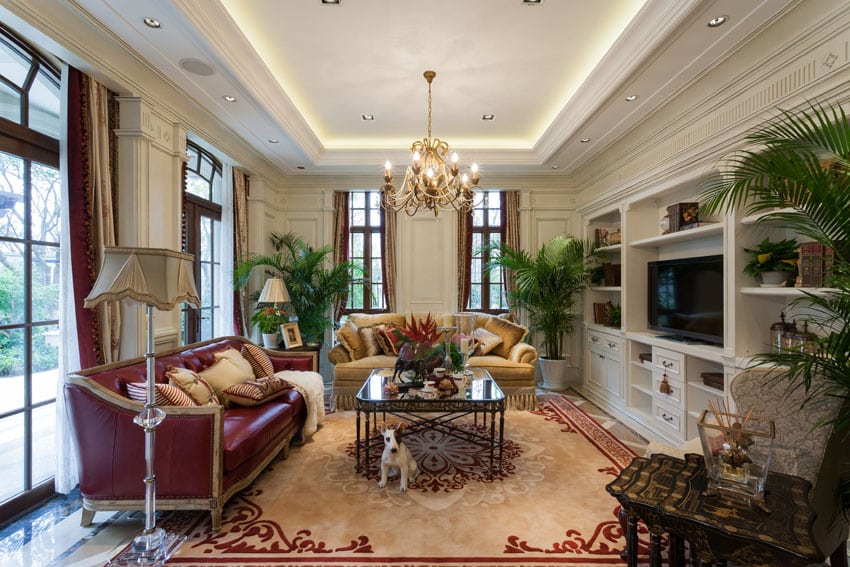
{"x": 396, "y": 456}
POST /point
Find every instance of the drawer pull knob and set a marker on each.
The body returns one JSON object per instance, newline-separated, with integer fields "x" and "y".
{"x": 667, "y": 418}
{"x": 594, "y": 339}
{"x": 666, "y": 364}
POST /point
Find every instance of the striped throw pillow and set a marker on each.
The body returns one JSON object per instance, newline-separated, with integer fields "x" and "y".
{"x": 259, "y": 360}
{"x": 256, "y": 392}
{"x": 165, "y": 394}
{"x": 192, "y": 385}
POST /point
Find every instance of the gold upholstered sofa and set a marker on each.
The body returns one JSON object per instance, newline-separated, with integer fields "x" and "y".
{"x": 502, "y": 353}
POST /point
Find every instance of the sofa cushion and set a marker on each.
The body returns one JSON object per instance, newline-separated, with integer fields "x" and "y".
{"x": 369, "y": 338}
{"x": 164, "y": 394}
{"x": 511, "y": 334}
{"x": 260, "y": 362}
{"x": 485, "y": 341}
{"x": 256, "y": 392}
{"x": 227, "y": 371}
{"x": 349, "y": 337}
{"x": 362, "y": 320}
{"x": 387, "y": 339}
{"x": 247, "y": 431}
{"x": 193, "y": 385}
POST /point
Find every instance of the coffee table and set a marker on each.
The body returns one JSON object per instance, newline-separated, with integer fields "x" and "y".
{"x": 440, "y": 413}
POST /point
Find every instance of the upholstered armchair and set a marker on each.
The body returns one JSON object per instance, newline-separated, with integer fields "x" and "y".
{"x": 806, "y": 445}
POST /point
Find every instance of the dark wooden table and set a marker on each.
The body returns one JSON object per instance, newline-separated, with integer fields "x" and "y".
{"x": 668, "y": 495}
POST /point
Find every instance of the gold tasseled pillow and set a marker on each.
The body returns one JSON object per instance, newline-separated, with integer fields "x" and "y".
{"x": 349, "y": 337}
{"x": 511, "y": 334}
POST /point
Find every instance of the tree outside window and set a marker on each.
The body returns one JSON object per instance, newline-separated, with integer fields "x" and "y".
{"x": 487, "y": 289}
{"x": 365, "y": 240}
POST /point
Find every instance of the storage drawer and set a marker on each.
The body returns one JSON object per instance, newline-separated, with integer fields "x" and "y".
{"x": 610, "y": 346}
{"x": 672, "y": 362}
{"x": 669, "y": 418}
{"x": 674, "y": 397}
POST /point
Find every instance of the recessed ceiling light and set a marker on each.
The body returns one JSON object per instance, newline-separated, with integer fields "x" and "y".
{"x": 584, "y": 140}
{"x": 332, "y": 2}
{"x": 488, "y": 117}
{"x": 273, "y": 140}
{"x": 631, "y": 97}
{"x": 152, "y": 23}
{"x": 367, "y": 116}
{"x": 717, "y": 22}
{"x": 532, "y": 2}
{"x": 556, "y": 166}
{"x": 229, "y": 98}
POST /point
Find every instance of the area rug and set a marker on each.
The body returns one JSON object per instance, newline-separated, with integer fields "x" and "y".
{"x": 547, "y": 505}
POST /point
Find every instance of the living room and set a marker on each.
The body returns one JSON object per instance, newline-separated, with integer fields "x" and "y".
{"x": 582, "y": 155}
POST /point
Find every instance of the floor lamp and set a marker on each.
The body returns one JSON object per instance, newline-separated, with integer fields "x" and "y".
{"x": 162, "y": 279}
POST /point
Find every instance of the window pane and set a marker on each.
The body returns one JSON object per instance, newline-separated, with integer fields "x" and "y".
{"x": 11, "y": 196}
{"x": 375, "y": 218}
{"x": 494, "y": 200}
{"x": 11, "y": 370}
{"x": 45, "y": 362}
{"x": 197, "y": 186}
{"x": 358, "y": 217}
{"x": 45, "y": 283}
{"x": 11, "y": 288}
{"x": 357, "y": 246}
{"x": 44, "y": 445}
{"x": 46, "y": 195}
{"x": 10, "y": 104}
{"x": 494, "y": 217}
{"x": 44, "y": 106}
{"x": 216, "y": 189}
{"x": 376, "y": 274}
{"x": 475, "y": 270}
{"x": 355, "y": 301}
{"x": 206, "y": 284}
{"x": 206, "y": 251}
{"x": 477, "y": 217}
{"x": 376, "y": 245}
{"x": 358, "y": 200}
{"x": 14, "y": 64}
{"x": 374, "y": 199}
{"x": 206, "y": 323}
{"x": 193, "y": 157}
{"x": 495, "y": 289}
{"x": 476, "y": 242}
{"x": 205, "y": 169}
{"x": 12, "y": 449}
{"x": 377, "y": 297}
{"x": 475, "y": 297}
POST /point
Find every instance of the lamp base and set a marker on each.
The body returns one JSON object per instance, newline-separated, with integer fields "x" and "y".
{"x": 148, "y": 549}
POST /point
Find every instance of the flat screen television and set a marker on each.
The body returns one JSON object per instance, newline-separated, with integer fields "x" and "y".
{"x": 686, "y": 298}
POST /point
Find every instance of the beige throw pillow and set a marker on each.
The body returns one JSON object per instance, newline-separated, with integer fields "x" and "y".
{"x": 193, "y": 385}
{"x": 227, "y": 371}
{"x": 349, "y": 336}
{"x": 510, "y": 333}
{"x": 485, "y": 341}
{"x": 369, "y": 338}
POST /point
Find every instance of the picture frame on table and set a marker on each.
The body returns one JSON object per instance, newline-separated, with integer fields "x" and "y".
{"x": 291, "y": 335}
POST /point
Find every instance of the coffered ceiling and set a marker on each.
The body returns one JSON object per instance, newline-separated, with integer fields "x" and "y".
{"x": 305, "y": 73}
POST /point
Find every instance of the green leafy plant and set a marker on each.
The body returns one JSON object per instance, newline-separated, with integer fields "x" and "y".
{"x": 313, "y": 285}
{"x": 547, "y": 285}
{"x": 269, "y": 319}
{"x": 770, "y": 256}
{"x": 800, "y": 177}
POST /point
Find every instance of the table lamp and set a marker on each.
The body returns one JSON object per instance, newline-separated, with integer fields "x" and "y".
{"x": 162, "y": 279}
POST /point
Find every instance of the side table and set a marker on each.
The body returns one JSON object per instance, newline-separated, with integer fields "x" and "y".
{"x": 314, "y": 350}
{"x": 668, "y": 495}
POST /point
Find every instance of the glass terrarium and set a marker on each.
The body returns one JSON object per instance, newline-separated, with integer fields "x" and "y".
{"x": 737, "y": 451}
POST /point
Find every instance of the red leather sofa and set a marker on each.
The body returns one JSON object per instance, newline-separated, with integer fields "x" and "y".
{"x": 204, "y": 454}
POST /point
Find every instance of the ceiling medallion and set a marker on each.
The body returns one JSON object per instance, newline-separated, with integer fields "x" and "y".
{"x": 428, "y": 182}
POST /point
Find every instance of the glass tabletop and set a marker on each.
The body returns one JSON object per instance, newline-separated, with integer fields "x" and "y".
{"x": 480, "y": 388}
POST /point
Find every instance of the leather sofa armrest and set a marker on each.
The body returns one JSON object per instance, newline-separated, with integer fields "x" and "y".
{"x": 296, "y": 360}
{"x": 338, "y": 355}
{"x": 523, "y": 352}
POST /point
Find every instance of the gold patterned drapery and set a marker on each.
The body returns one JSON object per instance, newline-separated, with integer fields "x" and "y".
{"x": 241, "y": 188}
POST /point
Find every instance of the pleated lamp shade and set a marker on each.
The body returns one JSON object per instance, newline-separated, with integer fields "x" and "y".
{"x": 274, "y": 291}
{"x": 156, "y": 276}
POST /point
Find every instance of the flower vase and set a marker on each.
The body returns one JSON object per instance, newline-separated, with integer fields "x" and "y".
{"x": 465, "y": 328}
{"x": 271, "y": 340}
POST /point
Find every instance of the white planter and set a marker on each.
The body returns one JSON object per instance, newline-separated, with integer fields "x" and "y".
{"x": 774, "y": 279}
{"x": 555, "y": 373}
{"x": 271, "y": 340}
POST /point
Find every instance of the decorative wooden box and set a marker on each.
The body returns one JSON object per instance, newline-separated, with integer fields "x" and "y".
{"x": 682, "y": 216}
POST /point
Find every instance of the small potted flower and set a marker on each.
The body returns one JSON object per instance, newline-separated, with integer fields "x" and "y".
{"x": 773, "y": 262}
{"x": 268, "y": 320}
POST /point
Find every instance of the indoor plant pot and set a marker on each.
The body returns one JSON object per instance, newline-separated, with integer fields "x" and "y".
{"x": 555, "y": 373}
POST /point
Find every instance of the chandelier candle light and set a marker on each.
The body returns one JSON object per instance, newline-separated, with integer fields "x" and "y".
{"x": 429, "y": 182}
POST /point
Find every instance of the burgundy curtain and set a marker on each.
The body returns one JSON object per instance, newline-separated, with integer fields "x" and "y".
{"x": 510, "y": 228}
{"x": 388, "y": 255}
{"x": 464, "y": 259}
{"x": 83, "y": 265}
{"x": 341, "y": 227}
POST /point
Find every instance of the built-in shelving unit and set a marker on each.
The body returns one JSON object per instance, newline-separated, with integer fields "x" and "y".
{"x": 785, "y": 291}
{"x": 681, "y": 236}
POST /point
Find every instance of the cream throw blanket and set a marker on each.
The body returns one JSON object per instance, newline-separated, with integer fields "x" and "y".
{"x": 312, "y": 387}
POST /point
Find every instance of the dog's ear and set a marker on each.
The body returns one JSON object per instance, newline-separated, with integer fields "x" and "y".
{"x": 400, "y": 428}
{"x": 381, "y": 428}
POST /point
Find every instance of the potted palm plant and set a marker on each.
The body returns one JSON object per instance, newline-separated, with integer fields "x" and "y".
{"x": 313, "y": 285}
{"x": 800, "y": 177}
{"x": 546, "y": 288}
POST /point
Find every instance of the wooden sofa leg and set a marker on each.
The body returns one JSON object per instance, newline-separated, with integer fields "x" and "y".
{"x": 215, "y": 518}
{"x": 88, "y": 517}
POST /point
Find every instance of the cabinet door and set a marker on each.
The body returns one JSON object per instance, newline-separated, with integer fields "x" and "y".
{"x": 613, "y": 377}
{"x": 598, "y": 369}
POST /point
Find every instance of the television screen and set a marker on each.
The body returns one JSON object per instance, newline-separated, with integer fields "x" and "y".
{"x": 686, "y": 298}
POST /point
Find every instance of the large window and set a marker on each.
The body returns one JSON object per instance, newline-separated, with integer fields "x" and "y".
{"x": 487, "y": 289}
{"x": 365, "y": 239}
{"x": 30, "y": 199}
{"x": 203, "y": 239}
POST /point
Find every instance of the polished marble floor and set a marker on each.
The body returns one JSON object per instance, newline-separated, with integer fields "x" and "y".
{"x": 52, "y": 535}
